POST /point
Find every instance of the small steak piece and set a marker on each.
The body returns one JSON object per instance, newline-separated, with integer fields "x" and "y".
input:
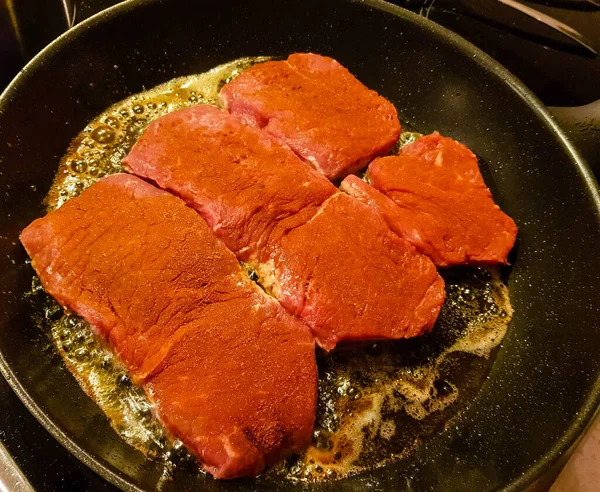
{"x": 350, "y": 278}
{"x": 249, "y": 189}
{"x": 444, "y": 209}
{"x": 232, "y": 374}
{"x": 318, "y": 108}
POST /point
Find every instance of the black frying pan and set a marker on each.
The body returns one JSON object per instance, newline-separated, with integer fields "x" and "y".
{"x": 545, "y": 383}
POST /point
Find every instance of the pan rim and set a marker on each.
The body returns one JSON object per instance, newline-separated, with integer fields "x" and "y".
{"x": 587, "y": 411}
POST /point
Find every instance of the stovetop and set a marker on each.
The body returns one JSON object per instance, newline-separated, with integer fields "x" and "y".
{"x": 558, "y": 71}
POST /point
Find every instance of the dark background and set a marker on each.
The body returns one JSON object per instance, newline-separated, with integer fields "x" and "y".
{"x": 556, "y": 69}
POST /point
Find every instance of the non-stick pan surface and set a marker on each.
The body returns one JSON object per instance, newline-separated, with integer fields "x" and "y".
{"x": 545, "y": 383}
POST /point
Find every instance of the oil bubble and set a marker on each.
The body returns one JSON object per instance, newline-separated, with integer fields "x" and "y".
{"x": 112, "y": 122}
{"x": 103, "y": 135}
{"x": 138, "y": 109}
{"x": 387, "y": 429}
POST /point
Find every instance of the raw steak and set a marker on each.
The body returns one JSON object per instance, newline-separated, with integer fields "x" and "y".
{"x": 231, "y": 373}
{"x": 350, "y": 278}
{"x": 443, "y": 207}
{"x": 225, "y": 169}
{"x": 318, "y": 108}
{"x": 249, "y": 189}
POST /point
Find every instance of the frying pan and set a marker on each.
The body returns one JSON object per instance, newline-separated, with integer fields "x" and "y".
{"x": 545, "y": 383}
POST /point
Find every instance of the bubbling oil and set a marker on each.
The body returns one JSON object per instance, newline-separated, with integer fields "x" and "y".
{"x": 377, "y": 402}
{"x": 97, "y": 151}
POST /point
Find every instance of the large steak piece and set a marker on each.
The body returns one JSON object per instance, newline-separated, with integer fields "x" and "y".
{"x": 315, "y": 106}
{"x": 350, "y": 278}
{"x": 231, "y": 373}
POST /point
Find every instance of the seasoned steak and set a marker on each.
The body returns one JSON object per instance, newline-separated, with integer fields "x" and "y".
{"x": 249, "y": 189}
{"x": 350, "y": 278}
{"x": 318, "y": 108}
{"x": 232, "y": 374}
{"x": 443, "y": 206}
{"x": 232, "y": 174}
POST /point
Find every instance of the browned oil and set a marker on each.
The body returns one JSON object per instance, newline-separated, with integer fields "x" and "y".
{"x": 377, "y": 402}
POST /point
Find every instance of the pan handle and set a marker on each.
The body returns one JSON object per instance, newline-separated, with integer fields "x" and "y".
{"x": 582, "y": 125}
